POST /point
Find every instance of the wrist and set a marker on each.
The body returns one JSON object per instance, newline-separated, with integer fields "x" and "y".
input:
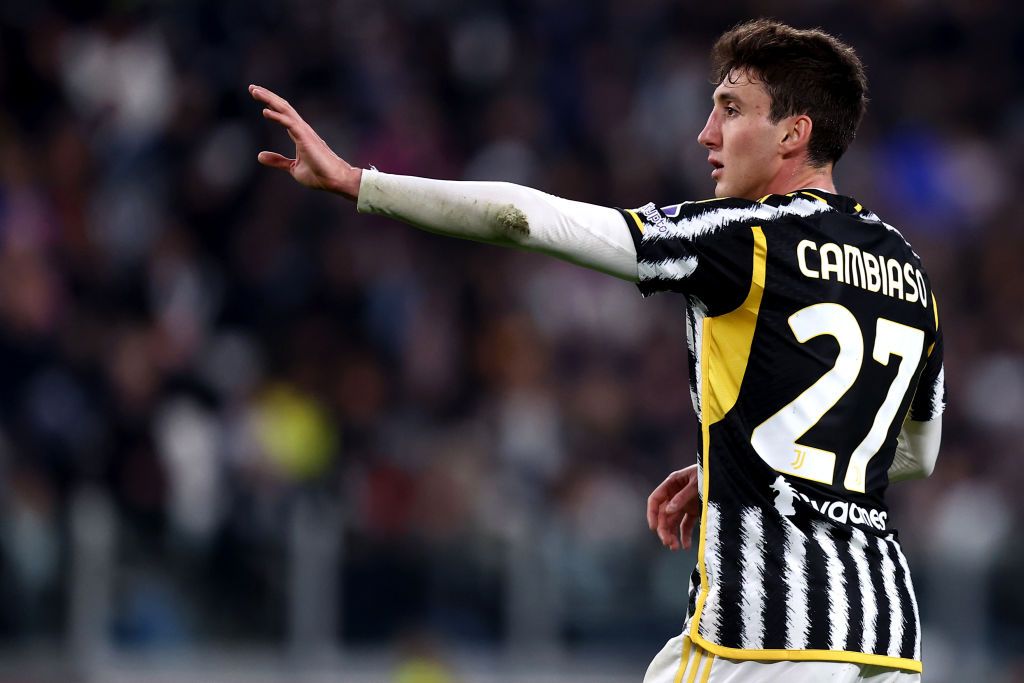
{"x": 347, "y": 181}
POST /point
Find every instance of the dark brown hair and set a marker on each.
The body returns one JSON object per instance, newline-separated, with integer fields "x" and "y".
{"x": 805, "y": 72}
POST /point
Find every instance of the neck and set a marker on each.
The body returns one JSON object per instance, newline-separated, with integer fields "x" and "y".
{"x": 800, "y": 176}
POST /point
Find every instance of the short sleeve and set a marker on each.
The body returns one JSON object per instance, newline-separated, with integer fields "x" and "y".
{"x": 930, "y": 399}
{"x": 702, "y": 249}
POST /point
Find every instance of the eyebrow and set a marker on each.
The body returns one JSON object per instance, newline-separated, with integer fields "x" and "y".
{"x": 723, "y": 97}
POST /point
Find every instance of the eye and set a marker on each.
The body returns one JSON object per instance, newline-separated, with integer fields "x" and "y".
{"x": 731, "y": 110}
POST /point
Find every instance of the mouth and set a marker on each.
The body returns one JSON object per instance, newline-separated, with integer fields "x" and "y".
{"x": 717, "y": 167}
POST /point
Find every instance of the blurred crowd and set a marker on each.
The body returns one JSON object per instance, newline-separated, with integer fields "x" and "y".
{"x": 204, "y": 343}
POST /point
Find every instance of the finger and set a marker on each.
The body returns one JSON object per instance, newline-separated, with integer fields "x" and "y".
{"x": 661, "y": 493}
{"x": 259, "y": 93}
{"x": 668, "y": 526}
{"x": 291, "y": 126}
{"x": 684, "y": 498}
{"x": 269, "y": 98}
{"x": 279, "y": 117}
{"x": 665, "y": 537}
{"x": 275, "y": 160}
{"x": 686, "y": 530}
{"x": 659, "y": 526}
{"x": 654, "y": 502}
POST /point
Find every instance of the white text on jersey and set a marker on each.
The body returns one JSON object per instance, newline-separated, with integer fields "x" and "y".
{"x": 844, "y": 511}
{"x": 850, "y": 265}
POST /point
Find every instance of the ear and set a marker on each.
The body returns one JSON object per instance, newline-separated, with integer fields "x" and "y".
{"x": 796, "y": 134}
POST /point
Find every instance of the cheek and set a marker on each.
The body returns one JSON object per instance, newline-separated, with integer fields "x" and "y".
{"x": 752, "y": 146}
{"x": 738, "y": 136}
{"x": 741, "y": 147}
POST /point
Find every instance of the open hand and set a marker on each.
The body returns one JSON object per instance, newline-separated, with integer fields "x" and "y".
{"x": 673, "y": 508}
{"x": 315, "y": 165}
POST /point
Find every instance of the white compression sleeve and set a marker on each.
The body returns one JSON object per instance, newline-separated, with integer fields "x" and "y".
{"x": 502, "y": 213}
{"x": 916, "y": 450}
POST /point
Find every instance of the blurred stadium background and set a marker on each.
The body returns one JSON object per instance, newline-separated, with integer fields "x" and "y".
{"x": 248, "y": 435}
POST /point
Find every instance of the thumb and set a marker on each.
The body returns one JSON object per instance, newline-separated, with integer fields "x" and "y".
{"x": 275, "y": 160}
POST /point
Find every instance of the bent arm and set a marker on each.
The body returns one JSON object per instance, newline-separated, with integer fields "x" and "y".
{"x": 505, "y": 214}
{"x": 916, "y": 450}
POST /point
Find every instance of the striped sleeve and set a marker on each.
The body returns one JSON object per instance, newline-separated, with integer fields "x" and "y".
{"x": 701, "y": 249}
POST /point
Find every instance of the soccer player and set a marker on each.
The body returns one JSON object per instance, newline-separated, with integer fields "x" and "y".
{"x": 815, "y": 359}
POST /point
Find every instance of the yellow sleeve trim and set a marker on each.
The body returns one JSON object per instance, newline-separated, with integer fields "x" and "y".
{"x": 639, "y": 223}
{"x": 705, "y": 429}
{"x": 809, "y": 655}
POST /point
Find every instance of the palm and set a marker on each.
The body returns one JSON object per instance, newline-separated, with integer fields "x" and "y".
{"x": 313, "y": 162}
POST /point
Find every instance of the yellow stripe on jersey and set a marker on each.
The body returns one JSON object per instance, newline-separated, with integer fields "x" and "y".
{"x": 696, "y": 667}
{"x": 935, "y": 309}
{"x": 729, "y": 337}
{"x": 811, "y": 194}
{"x": 639, "y": 223}
{"x": 698, "y": 655}
{"x": 707, "y": 668}
{"x": 684, "y": 660}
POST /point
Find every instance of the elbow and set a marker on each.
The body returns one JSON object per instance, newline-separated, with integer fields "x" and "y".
{"x": 927, "y": 467}
{"x": 922, "y": 439}
{"x": 930, "y": 455}
{"x": 924, "y": 466}
{"x": 510, "y": 219}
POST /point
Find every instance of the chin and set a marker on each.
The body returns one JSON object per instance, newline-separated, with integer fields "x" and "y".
{"x": 726, "y": 190}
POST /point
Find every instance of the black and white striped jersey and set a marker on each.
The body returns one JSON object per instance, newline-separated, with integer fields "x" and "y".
{"x": 813, "y": 334}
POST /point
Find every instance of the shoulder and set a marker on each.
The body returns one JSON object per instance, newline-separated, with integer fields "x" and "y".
{"x": 688, "y": 219}
{"x": 655, "y": 214}
{"x": 896, "y": 235}
{"x": 701, "y": 218}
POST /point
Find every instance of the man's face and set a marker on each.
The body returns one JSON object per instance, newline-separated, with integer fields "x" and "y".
{"x": 742, "y": 142}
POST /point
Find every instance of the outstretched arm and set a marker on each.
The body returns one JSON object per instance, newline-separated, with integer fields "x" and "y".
{"x": 499, "y": 213}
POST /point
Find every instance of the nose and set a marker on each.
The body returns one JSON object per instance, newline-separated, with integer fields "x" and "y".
{"x": 710, "y": 137}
